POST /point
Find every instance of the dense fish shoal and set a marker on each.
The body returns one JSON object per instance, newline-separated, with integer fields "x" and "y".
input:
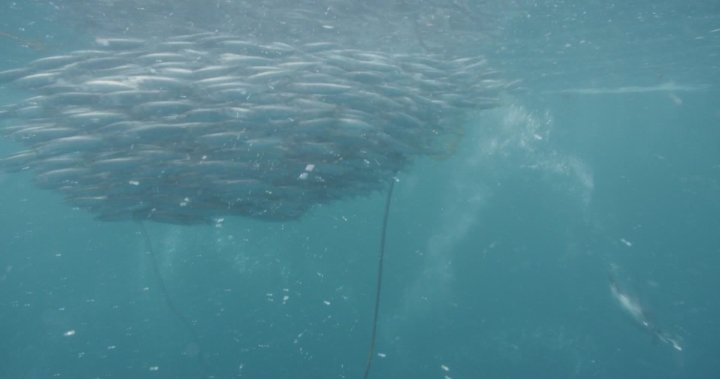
{"x": 197, "y": 127}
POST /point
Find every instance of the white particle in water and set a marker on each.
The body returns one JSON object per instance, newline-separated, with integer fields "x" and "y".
{"x": 154, "y": 368}
{"x": 381, "y": 355}
{"x": 326, "y": 302}
{"x": 69, "y": 333}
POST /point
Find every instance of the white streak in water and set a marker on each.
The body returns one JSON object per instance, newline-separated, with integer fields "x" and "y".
{"x": 664, "y": 87}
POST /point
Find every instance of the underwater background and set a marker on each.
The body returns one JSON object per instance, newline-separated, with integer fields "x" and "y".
{"x": 603, "y": 161}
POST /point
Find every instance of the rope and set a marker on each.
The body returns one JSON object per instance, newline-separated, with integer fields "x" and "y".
{"x": 378, "y": 285}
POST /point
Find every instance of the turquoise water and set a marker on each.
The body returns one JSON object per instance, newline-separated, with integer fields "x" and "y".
{"x": 604, "y": 161}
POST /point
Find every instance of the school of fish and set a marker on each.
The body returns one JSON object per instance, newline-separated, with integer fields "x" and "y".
{"x": 193, "y": 128}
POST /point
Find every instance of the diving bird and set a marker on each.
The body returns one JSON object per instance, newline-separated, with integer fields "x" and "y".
{"x": 632, "y": 307}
